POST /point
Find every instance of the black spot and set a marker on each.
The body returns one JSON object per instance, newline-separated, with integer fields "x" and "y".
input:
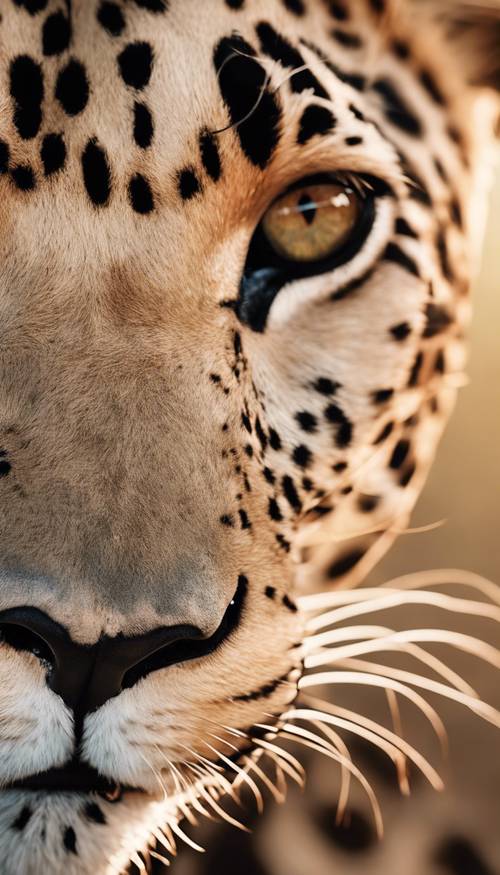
{"x": 143, "y": 125}
{"x": 141, "y": 196}
{"x": 188, "y": 184}
{"x": 338, "y": 10}
{"x": 72, "y": 88}
{"x": 94, "y": 813}
{"x": 153, "y": 5}
{"x": 26, "y": 89}
{"x": 353, "y": 141}
{"x": 23, "y": 177}
{"x": 354, "y": 834}
{"x": 459, "y": 857}
{"x": 279, "y": 49}
{"x": 110, "y": 16}
{"x": 234, "y": 4}
{"x": 245, "y": 522}
{"x": 346, "y": 39}
{"x": 289, "y": 604}
{"x": 339, "y": 467}
{"x": 456, "y": 213}
{"x": 307, "y": 421}
{"x": 22, "y": 819}
{"x": 136, "y": 64}
{"x": 307, "y": 484}
{"x": 335, "y": 415}
{"x": 96, "y": 173}
{"x": 69, "y": 840}
{"x": 226, "y": 520}
{"x": 315, "y": 120}
{"x": 52, "y": 153}
{"x": 282, "y": 541}
{"x": 357, "y": 112}
{"x": 396, "y": 109}
{"x": 4, "y": 156}
{"x": 31, "y": 6}
{"x": 438, "y": 320}
{"x": 249, "y": 450}
{"x": 368, "y": 503}
{"x": 400, "y": 331}
{"x": 382, "y": 395}
{"x": 274, "y": 510}
{"x": 210, "y": 157}
{"x": 270, "y": 592}
{"x": 378, "y": 6}
{"x": 407, "y": 474}
{"x": 399, "y": 454}
{"x": 440, "y": 362}
{"x": 291, "y": 494}
{"x": 246, "y": 423}
{"x": 242, "y": 83}
{"x": 325, "y": 386}
{"x": 56, "y": 34}
{"x": 444, "y": 258}
{"x": 344, "y": 564}
{"x": 384, "y": 434}
{"x": 428, "y": 81}
{"x": 396, "y": 255}
{"x": 295, "y": 6}
{"x": 269, "y": 476}
{"x": 274, "y": 439}
{"x": 415, "y": 370}
{"x": 402, "y": 227}
{"x": 261, "y": 435}
{"x": 302, "y": 456}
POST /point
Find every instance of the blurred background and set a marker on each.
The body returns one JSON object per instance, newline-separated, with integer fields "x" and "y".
{"x": 456, "y": 832}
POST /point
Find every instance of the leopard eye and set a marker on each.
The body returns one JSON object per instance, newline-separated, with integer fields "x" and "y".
{"x": 310, "y": 223}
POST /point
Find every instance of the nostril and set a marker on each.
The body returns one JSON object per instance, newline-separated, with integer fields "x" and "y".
{"x": 21, "y": 638}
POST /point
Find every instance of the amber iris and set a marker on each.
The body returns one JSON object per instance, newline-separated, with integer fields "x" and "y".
{"x": 311, "y": 222}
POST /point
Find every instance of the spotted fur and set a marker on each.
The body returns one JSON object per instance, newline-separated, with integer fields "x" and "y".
{"x": 167, "y": 439}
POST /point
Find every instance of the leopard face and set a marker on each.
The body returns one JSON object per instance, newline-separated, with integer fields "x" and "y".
{"x": 236, "y": 244}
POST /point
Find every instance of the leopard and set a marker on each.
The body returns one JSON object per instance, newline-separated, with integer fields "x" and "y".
{"x": 236, "y": 245}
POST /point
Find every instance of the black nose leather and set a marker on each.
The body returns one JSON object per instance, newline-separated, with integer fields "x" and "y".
{"x": 86, "y": 676}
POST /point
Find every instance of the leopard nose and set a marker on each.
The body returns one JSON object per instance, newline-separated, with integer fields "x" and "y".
{"x": 87, "y": 676}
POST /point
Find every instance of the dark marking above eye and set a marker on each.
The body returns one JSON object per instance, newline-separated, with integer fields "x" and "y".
{"x": 402, "y": 227}
{"x": 315, "y": 120}
{"x": 56, "y": 34}
{"x": 27, "y": 91}
{"x": 344, "y": 563}
{"x": 400, "y": 331}
{"x": 96, "y": 173}
{"x": 188, "y": 183}
{"x": 235, "y": 4}
{"x": 210, "y": 157}
{"x": 141, "y": 196}
{"x": 136, "y": 64}
{"x": 153, "y": 5}
{"x": 143, "y": 125}
{"x": 347, "y": 39}
{"x": 458, "y": 856}
{"x": 280, "y": 49}
{"x": 23, "y": 177}
{"x": 4, "y": 156}
{"x": 94, "y": 813}
{"x": 22, "y": 818}
{"x": 382, "y": 395}
{"x": 110, "y": 16}
{"x": 69, "y": 840}
{"x": 253, "y": 108}
{"x": 52, "y": 153}
{"x": 72, "y": 88}
{"x": 31, "y": 6}
{"x": 326, "y": 386}
{"x": 396, "y": 110}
